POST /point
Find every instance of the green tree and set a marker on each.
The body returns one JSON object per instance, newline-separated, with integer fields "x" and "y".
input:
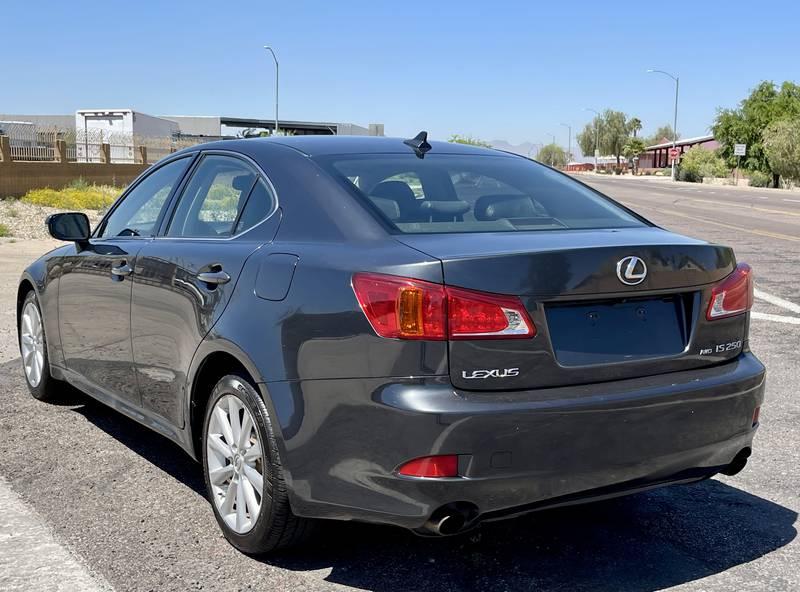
{"x": 552, "y": 154}
{"x": 633, "y": 148}
{"x": 746, "y": 124}
{"x": 613, "y": 133}
{"x": 661, "y": 135}
{"x": 459, "y": 139}
{"x": 613, "y": 130}
{"x": 782, "y": 148}
{"x": 635, "y": 125}
{"x": 588, "y": 137}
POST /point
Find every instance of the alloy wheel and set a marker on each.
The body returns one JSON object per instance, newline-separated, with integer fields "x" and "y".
{"x": 235, "y": 464}
{"x": 32, "y": 344}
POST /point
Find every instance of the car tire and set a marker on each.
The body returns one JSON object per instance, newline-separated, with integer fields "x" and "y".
{"x": 33, "y": 350}
{"x": 275, "y": 527}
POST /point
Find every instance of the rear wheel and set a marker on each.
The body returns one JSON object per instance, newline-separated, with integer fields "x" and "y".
{"x": 33, "y": 349}
{"x": 243, "y": 473}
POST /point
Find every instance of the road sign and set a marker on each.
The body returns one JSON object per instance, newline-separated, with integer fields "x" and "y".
{"x": 739, "y": 149}
{"x": 674, "y": 154}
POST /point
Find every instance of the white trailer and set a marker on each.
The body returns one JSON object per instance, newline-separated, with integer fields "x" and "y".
{"x": 119, "y": 128}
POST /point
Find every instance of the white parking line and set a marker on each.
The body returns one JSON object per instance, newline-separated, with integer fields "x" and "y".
{"x": 30, "y": 558}
{"x": 792, "y": 200}
{"x": 777, "y": 318}
{"x": 777, "y": 301}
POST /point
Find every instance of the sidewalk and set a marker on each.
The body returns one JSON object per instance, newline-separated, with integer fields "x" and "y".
{"x": 31, "y": 559}
{"x": 666, "y": 179}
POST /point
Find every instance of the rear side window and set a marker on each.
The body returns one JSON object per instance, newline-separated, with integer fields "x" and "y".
{"x": 224, "y": 196}
{"x": 473, "y": 193}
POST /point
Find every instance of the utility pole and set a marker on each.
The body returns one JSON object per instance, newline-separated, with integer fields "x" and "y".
{"x": 675, "y": 115}
{"x": 569, "y": 141}
{"x": 596, "y": 135}
{"x": 274, "y": 57}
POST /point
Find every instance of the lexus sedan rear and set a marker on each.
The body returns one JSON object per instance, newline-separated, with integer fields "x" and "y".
{"x": 421, "y": 334}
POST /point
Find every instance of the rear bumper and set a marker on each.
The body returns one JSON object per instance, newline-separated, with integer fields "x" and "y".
{"x": 519, "y": 451}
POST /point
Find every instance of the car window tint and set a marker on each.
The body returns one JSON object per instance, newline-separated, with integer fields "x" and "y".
{"x": 213, "y": 198}
{"x": 473, "y": 193}
{"x": 258, "y": 207}
{"x": 138, "y": 213}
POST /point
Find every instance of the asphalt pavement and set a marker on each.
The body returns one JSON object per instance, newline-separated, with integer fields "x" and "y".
{"x": 129, "y": 505}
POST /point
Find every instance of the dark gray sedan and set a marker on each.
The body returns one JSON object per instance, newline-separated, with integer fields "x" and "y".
{"x": 421, "y": 334}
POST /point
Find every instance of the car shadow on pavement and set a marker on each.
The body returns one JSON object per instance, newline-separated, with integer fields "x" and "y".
{"x": 638, "y": 543}
{"x": 158, "y": 450}
{"x": 643, "y": 542}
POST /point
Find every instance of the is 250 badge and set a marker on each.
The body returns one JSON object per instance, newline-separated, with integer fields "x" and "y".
{"x": 721, "y": 348}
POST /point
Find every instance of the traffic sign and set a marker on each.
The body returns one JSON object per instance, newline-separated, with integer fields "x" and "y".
{"x": 739, "y": 149}
{"x": 674, "y": 154}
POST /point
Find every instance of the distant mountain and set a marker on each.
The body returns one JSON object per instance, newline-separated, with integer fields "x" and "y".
{"x": 516, "y": 149}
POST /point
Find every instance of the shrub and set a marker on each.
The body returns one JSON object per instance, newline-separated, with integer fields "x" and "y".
{"x": 4, "y": 231}
{"x": 689, "y": 176}
{"x": 699, "y": 162}
{"x": 77, "y": 196}
{"x": 759, "y": 179}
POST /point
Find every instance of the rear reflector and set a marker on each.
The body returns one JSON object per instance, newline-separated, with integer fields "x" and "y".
{"x": 406, "y": 308}
{"x": 733, "y": 295}
{"x": 756, "y": 414}
{"x": 431, "y": 466}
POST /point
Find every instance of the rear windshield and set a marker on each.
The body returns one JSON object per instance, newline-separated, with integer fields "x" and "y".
{"x": 473, "y": 193}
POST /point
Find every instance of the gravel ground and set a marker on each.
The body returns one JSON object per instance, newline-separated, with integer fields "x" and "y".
{"x": 26, "y": 221}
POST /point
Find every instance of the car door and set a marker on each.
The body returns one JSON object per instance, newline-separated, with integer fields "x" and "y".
{"x": 95, "y": 287}
{"x": 185, "y": 277}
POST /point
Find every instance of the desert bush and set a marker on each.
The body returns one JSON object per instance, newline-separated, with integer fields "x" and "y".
{"x": 4, "y": 231}
{"x": 759, "y": 179}
{"x": 698, "y": 163}
{"x": 79, "y": 195}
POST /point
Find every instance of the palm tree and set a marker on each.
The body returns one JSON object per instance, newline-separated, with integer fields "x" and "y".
{"x": 635, "y": 125}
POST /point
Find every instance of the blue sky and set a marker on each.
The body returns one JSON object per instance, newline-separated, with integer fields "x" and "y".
{"x": 495, "y": 70}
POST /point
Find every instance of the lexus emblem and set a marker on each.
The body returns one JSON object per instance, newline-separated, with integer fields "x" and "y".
{"x": 631, "y": 270}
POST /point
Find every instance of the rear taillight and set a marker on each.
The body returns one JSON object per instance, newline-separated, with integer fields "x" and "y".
{"x": 733, "y": 295}
{"x": 402, "y": 308}
{"x": 476, "y": 315}
{"x": 405, "y": 308}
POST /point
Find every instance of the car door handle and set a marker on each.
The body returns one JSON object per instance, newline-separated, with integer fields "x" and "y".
{"x": 214, "y": 277}
{"x": 122, "y": 270}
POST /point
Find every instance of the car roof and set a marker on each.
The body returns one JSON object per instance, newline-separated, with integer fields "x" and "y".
{"x": 325, "y": 145}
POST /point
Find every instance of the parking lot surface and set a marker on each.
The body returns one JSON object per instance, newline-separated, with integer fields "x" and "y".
{"x": 129, "y": 505}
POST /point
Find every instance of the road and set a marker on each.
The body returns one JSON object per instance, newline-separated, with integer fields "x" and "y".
{"x": 129, "y": 505}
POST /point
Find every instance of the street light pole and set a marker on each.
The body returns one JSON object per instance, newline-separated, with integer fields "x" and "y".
{"x": 569, "y": 141}
{"x": 675, "y": 116}
{"x": 596, "y": 134}
{"x": 274, "y": 57}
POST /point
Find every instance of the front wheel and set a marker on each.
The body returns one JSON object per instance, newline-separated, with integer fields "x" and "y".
{"x": 243, "y": 473}
{"x": 33, "y": 350}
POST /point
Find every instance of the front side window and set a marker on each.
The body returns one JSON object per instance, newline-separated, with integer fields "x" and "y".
{"x": 138, "y": 213}
{"x": 223, "y": 197}
{"x": 473, "y": 193}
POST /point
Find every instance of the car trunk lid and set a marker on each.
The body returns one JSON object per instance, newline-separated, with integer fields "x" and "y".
{"x": 597, "y": 316}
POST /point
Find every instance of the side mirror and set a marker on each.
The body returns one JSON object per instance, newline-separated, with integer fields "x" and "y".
{"x": 70, "y": 226}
